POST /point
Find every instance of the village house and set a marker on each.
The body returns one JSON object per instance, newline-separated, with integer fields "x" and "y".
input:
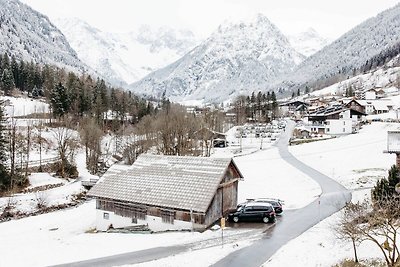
{"x": 335, "y": 120}
{"x": 356, "y": 105}
{"x": 294, "y": 107}
{"x": 167, "y": 193}
{"x": 370, "y": 94}
{"x": 371, "y": 107}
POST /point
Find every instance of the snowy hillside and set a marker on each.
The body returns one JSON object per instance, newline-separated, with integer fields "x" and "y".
{"x": 29, "y": 35}
{"x": 126, "y": 57}
{"x": 351, "y": 50}
{"x": 237, "y": 58}
{"x": 308, "y": 42}
{"x": 386, "y": 77}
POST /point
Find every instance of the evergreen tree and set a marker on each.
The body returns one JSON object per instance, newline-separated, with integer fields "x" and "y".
{"x": 298, "y": 92}
{"x": 5, "y": 179}
{"x": 386, "y": 187}
{"x": 7, "y": 82}
{"x": 274, "y": 105}
{"x": 60, "y": 102}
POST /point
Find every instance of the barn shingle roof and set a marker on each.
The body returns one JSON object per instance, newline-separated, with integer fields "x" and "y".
{"x": 165, "y": 181}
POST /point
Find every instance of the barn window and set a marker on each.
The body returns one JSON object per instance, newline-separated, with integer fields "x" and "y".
{"x": 106, "y": 216}
{"x": 168, "y": 216}
{"x": 123, "y": 209}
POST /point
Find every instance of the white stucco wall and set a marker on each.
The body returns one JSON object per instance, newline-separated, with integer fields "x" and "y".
{"x": 370, "y": 95}
{"x": 338, "y": 127}
{"x": 154, "y": 223}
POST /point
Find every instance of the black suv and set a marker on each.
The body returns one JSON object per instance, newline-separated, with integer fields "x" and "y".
{"x": 253, "y": 211}
{"x": 276, "y": 203}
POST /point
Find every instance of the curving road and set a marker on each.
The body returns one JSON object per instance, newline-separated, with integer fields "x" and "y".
{"x": 333, "y": 197}
{"x": 292, "y": 224}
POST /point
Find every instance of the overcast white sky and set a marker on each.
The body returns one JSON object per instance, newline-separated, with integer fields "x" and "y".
{"x": 329, "y": 18}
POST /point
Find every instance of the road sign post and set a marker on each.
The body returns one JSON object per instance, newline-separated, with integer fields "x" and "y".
{"x": 222, "y": 230}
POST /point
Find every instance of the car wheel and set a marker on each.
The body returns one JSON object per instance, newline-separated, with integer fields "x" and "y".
{"x": 265, "y": 220}
{"x": 236, "y": 219}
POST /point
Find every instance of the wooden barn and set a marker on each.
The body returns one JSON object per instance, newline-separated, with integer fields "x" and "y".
{"x": 167, "y": 193}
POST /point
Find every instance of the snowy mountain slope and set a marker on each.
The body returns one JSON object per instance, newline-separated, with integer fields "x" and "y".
{"x": 351, "y": 50}
{"x": 237, "y": 58}
{"x": 126, "y": 57}
{"x": 29, "y": 35}
{"x": 386, "y": 77}
{"x": 308, "y": 42}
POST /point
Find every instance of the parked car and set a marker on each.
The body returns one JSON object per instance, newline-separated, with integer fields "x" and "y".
{"x": 276, "y": 203}
{"x": 253, "y": 211}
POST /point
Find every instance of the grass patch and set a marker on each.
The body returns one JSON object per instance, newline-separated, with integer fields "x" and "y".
{"x": 370, "y": 170}
{"x": 361, "y": 263}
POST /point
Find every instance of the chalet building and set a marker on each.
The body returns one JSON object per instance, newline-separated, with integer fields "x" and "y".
{"x": 336, "y": 120}
{"x": 370, "y": 107}
{"x": 370, "y": 94}
{"x": 167, "y": 193}
{"x": 356, "y": 105}
{"x": 293, "y": 107}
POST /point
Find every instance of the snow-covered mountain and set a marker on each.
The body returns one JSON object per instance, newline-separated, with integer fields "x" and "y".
{"x": 29, "y": 35}
{"x": 308, "y": 42}
{"x": 350, "y": 51}
{"x": 236, "y": 58}
{"x": 126, "y": 57}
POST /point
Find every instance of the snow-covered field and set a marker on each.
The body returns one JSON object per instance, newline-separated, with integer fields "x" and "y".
{"x": 267, "y": 175}
{"x": 65, "y": 234}
{"x": 21, "y": 106}
{"x": 356, "y": 161}
{"x": 62, "y": 234}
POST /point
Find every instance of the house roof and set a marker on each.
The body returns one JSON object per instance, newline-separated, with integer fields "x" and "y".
{"x": 333, "y": 110}
{"x": 166, "y": 181}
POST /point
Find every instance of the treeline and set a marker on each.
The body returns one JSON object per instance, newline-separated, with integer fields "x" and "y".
{"x": 262, "y": 107}
{"x": 70, "y": 94}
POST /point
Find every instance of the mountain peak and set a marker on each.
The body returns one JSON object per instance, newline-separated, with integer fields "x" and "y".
{"x": 258, "y": 21}
{"x": 238, "y": 57}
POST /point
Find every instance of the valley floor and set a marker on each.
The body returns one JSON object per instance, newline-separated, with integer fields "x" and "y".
{"x": 66, "y": 236}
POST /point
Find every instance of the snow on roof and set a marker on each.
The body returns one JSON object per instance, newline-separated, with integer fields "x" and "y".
{"x": 302, "y": 128}
{"x": 166, "y": 181}
{"x": 381, "y": 105}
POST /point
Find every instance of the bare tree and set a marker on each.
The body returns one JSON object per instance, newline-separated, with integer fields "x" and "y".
{"x": 66, "y": 145}
{"x": 240, "y": 109}
{"x": 377, "y": 222}
{"x": 347, "y": 227}
{"x": 175, "y": 131}
{"x": 12, "y": 149}
{"x": 91, "y": 136}
{"x": 39, "y": 128}
{"x": 28, "y": 148}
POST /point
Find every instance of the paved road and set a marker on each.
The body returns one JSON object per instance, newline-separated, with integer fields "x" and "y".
{"x": 129, "y": 258}
{"x": 289, "y": 226}
{"x": 333, "y": 198}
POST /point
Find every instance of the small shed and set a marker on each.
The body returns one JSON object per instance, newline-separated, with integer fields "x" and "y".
{"x": 167, "y": 193}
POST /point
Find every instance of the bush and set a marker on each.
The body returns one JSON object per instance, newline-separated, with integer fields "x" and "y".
{"x": 70, "y": 171}
{"x": 385, "y": 187}
{"x": 362, "y": 263}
